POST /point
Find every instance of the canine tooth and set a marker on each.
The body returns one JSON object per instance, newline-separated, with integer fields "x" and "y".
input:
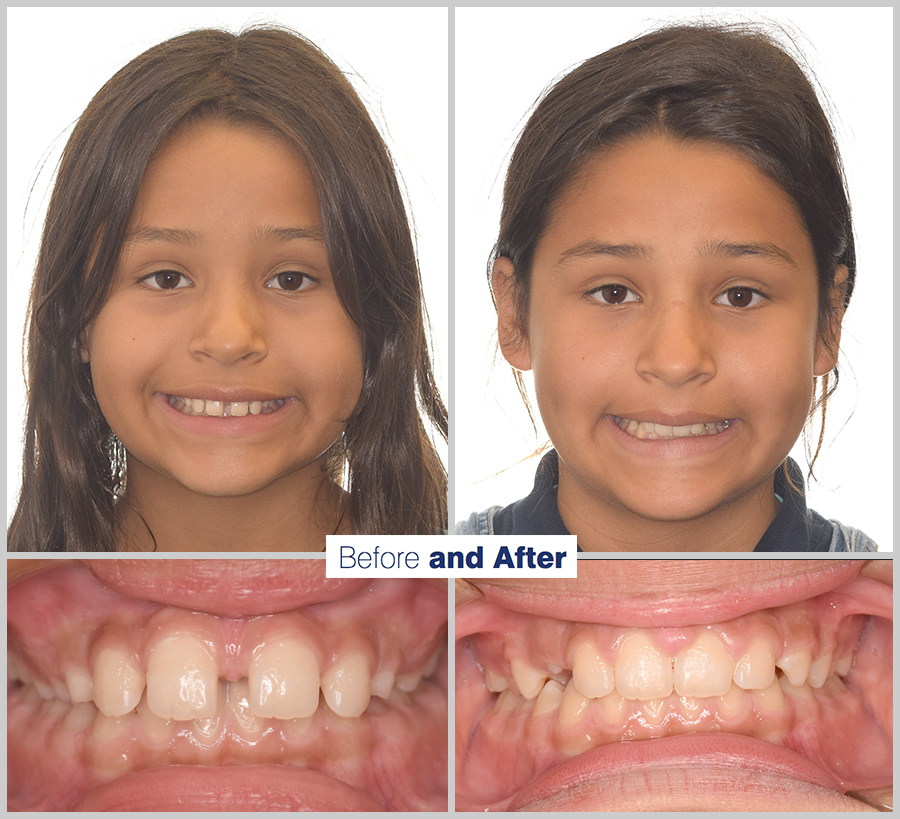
{"x": 698, "y": 429}
{"x": 240, "y": 408}
{"x": 117, "y": 684}
{"x": 704, "y": 668}
{"x": 593, "y": 676}
{"x": 572, "y": 705}
{"x": 527, "y": 678}
{"x": 382, "y": 683}
{"x": 237, "y": 695}
{"x": 842, "y": 667}
{"x": 796, "y": 665}
{"x": 771, "y": 697}
{"x": 182, "y": 679}
{"x": 549, "y": 699}
{"x": 494, "y": 681}
{"x": 347, "y": 686}
{"x": 641, "y": 672}
{"x": 732, "y": 700}
{"x": 756, "y": 667}
{"x": 284, "y": 680}
{"x": 255, "y": 407}
{"x": 632, "y": 426}
{"x": 198, "y": 405}
{"x": 818, "y": 670}
{"x": 80, "y": 685}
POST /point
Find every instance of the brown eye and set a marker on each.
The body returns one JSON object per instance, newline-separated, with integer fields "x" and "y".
{"x": 613, "y": 294}
{"x": 742, "y": 296}
{"x": 290, "y": 280}
{"x": 167, "y": 280}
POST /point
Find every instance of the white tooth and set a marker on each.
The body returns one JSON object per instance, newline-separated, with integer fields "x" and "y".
{"x": 238, "y": 696}
{"x": 506, "y": 702}
{"x": 80, "y": 685}
{"x": 347, "y": 686}
{"x": 642, "y": 431}
{"x": 255, "y": 407}
{"x": 382, "y": 683}
{"x": 756, "y": 667}
{"x": 108, "y": 729}
{"x": 681, "y": 432}
{"x": 215, "y": 408}
{"x": 698, "y": 429}
{"x": 60, "y": 691}
{"x": 613, "y": 707}
{"x": 527, "y": 678}
{"x": 181, "y": 679}
{"x": 771, "y": 697}
{"x": 593, "y": 676}
{"x": 408, "y": 681}
{"x": 157, "y": 731}
{"x": 818, "y": 670}
{"x": 494, "y": 681}
{"x": 732, "y": 701}
{"x": 842, "y": 667}
{"x": 431, "y": 666}
{"x": 284, "y": 680}
{"x": 44, "y": 690}
{"x": 118, "y": 683}
{"x": 704, "y": 668}
{"x": 549, "y": 699}
{"x": 797, "y": 692}
{"x": 632, "y": 426}
{"x": 79, "y": 717}
{"x": 573, "y": 705}
{"x": 796, "y": 665}
{"x": 641, "y": 672}
{"x": 663, "y": 430}
{"x": 198, "y": 405}
{"x": 240, "y": 408}
{"x": 205, "y": 730}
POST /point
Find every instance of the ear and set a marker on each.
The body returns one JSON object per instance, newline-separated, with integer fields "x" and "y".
{"x": 829, "y": 342}
{"x": 513, "y": 340}
{"x": 82, "y": 344}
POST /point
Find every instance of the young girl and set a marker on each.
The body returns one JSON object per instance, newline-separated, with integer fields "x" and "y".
{"x": 674, "y": 260}
{"x": 227, "y": 345}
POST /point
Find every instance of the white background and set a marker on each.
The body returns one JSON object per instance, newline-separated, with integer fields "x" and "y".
{"x": 58, "y": 58}
{"x": 504, "y": 60}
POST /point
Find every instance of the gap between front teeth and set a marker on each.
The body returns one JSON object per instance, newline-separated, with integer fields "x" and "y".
{"x": 646, "y": 430}
{"x": 220, "y": 409}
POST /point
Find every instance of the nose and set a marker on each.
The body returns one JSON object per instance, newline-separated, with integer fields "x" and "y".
{"x": 677, "y": 345}
{"x": 229, "y": 327}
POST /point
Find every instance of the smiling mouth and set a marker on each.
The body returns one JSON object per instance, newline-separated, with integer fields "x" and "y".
{"x": 223, "y": 409}
{"x": 577, "y": 714}
{"x": 649, "y": 431}
{"x": 116, "y": 702}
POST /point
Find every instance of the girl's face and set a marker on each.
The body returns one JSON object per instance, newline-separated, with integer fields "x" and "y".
{"x": 223, "y": 358}
{"x": 672, "y": 329}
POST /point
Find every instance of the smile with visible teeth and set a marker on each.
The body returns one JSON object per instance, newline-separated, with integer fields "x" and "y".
{"x": 223, "y": 409}
{"x": 647, "y": 430}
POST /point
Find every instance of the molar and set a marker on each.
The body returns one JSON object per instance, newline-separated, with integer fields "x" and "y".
{"x": 284, "y": 680}
{"x": 181, "y": 679}
{"x": 796, "y": 665}
{"x": 641, "y": 672}
{"x": 756, "y": 667}
{"x": 347, "y": 686}
{"x": 703, "y": 669}
{"x": 117, "y": 684}
{"x": 593, "y": 676}
{"x": 528, "y": 679}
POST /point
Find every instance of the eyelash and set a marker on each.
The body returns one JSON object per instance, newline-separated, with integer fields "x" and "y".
{"x": 152, "y": 281}
{"x": 597, "y": 292}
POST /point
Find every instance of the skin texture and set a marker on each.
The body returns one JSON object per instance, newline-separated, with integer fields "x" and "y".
{"x": 674, "y": 284}
{"x": 217, "y": 315}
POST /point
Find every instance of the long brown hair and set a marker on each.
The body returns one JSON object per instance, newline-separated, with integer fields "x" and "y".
{"x": 727, "y": 84}
{"x": 74, "y": 467}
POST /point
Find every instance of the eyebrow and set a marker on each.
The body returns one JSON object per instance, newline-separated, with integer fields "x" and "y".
{"x": 150, "y": 233}
{"x": 731, "y": 250}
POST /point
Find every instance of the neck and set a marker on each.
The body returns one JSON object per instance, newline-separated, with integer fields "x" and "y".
{"x": 292, "y": 514}
{"x": 604, "y": 526}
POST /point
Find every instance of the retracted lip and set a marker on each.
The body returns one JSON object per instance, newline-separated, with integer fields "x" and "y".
{"x": 672, "y": 419}
{"x": 666, "y": 593}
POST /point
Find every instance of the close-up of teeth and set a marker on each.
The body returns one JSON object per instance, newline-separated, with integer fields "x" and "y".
{"x": 649, "y": 431}
{"x": 223, "y": 409}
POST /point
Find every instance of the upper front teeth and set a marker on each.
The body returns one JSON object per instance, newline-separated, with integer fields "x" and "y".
{"x": 647, "y": 430}
{"x": 236, "y": 409}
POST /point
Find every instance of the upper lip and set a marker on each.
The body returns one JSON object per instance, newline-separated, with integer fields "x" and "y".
{"x": 226, "y": 395}
{"x": 673, "y": 419}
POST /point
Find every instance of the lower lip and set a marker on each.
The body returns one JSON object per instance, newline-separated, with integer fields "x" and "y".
{"x": 673, "y": 447}
{"x": 227, "y": 788}
{"x": 692, "y": 772}
{"x": 225, "y": 425}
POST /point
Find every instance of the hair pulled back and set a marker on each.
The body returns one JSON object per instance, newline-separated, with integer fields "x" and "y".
{"x": 731, "y": 85}
{"x": 74, "y": 467}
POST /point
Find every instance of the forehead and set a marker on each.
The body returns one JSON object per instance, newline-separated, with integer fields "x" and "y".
{"x": 676, "y": 197}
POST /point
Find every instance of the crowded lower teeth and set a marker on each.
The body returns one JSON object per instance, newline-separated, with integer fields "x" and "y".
{"x": 649, "y": 431}
{"x": 223, "y": 409}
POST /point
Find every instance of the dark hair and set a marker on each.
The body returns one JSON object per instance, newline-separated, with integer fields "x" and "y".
{"x": 727, "y": 84}
{"x": 74, "y": 467}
